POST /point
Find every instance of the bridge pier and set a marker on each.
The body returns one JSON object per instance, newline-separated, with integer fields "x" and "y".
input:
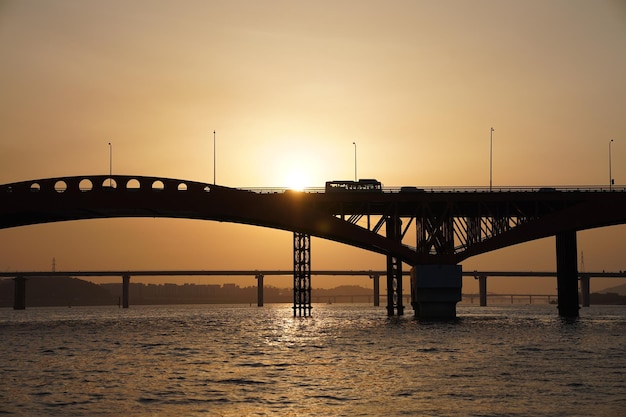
{"x": 567, "y": 274}
{"x": 125, "y": 291}
{"x": 482, "y": 289}
{"x": 19, "y": 297}
{"x": 259, "y": 290}
{"x": 376, "y": 279}
{"x": 394, "y": 270}
{"x": 585, "y": 290}
{"x": 435, "y": 290}
{"x": 301, "y": 274}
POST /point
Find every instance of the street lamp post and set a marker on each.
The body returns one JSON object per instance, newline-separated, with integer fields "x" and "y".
{"x": 110, "y": 165}
{"x": 491, "y": 159}
{"x": 355, "y": 177}
{"x": 610, "y": 171}
{"x": 214, "y": 157}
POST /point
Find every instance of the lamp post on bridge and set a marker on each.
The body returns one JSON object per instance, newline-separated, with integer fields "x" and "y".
{"x": 610, "y": 171}
{"x": 110, "y": 165}
{"x": 491, "y": 159}
{"x": 355, "y": 177}
{"x": 214, "y": 157}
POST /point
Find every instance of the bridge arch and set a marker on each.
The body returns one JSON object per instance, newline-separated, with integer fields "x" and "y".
{"x": 90, "y": 197}
{"x": 484, "y": 221}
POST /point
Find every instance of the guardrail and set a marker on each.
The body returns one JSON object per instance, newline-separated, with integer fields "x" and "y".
{"x": 452, "y": 189}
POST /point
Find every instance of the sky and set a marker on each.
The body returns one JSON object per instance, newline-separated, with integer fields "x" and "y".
{"x": 293, "y": 90}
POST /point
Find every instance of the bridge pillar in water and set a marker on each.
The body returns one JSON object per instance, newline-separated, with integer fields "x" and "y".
{"x": 376, "y": 279}
{"x": 259, "y": 291}
{"x": 585, "y": 290}
{"x": 301, "y": 274}
{"x": 19, "y": 297}
{"x": 394, "y": 270}
{"x": 125, "y": 291}
{"x": 482, "y": 289}
{"x": 567, "y": 274}
{"x": 435, "y": 290}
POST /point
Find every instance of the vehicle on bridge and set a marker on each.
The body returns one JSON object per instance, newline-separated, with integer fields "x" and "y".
{"x": 411, "y": 189}
{"x": 365, "y": 185}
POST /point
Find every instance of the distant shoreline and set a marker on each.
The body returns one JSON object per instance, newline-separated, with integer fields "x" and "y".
{"x": 69, "y": 291}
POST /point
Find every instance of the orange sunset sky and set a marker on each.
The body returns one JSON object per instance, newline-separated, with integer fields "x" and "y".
{"x": 289, "y": 86}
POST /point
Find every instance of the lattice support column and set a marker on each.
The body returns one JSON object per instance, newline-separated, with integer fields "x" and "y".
{"x": 394, "y": 270}
{"x": 301, "y": 274}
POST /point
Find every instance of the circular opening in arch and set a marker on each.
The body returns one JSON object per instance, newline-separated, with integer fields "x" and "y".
{"x": 133, "y": 184}
{"x": 35, "y": 187}
{"x": 158, "y": 185}
{"x": 60, "y": 186}
{"x": 85, "y": 185}
{"x": 182, "y": 187}
{"x": 109, "y": 184}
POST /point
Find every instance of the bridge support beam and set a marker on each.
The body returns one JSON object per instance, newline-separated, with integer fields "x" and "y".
{"x": 585, "y": 290}
{"x": 567, "y": 274}
{"x": 394, "y": 270}
{"x": 259, "y": 290}
{"x": 301, "y": 274}
{"x": 376, "y": 279}
{"x": 482, "y": 289}
{"x": 125, "y": 291}
{"x": 19, "y": 297}
{"x": 435, "y": 290}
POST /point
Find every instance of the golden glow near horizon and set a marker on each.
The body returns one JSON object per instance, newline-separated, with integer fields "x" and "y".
{"x": 289, "y": 86}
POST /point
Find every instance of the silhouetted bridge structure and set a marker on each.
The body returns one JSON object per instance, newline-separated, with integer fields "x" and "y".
{"x": 449, "y": 225}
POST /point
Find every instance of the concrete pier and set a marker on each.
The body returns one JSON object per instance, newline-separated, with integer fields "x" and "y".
{"x": 585, "y": 290}
{"x": 482, "y": 290}
{"x": 376, "y": 279}
{"x": 567, "y": 274}
{"x": 435, "y": 290}
{"x": 19, "y": 300}
{"x": 125, "y": 291}
{"x": 259, "y": 290}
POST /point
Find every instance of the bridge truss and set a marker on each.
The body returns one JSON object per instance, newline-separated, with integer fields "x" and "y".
{"x": 451, "y": 227}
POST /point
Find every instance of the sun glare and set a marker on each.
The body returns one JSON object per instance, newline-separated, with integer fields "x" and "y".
{"x": 297, "y": 181}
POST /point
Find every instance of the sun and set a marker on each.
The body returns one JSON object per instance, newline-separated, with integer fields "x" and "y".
{"x": 297, "y": 181}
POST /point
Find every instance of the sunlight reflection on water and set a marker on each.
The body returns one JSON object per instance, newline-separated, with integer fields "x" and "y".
{"x": 345, "y": 360}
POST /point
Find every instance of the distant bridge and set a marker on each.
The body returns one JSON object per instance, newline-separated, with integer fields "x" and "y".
{"x": 449, "y": 224}
{"x": 20, "y": 297}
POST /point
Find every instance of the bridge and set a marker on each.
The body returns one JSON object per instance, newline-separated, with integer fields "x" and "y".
{"x": 21, "y": 277}
{"x": 449, "y": 225}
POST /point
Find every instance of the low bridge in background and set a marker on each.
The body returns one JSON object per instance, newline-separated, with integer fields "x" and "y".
{"x": 22, "y": 276}
{"x": 448, "y": 225}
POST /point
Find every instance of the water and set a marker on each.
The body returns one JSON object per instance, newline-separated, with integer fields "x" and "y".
{"x": 347, "y": 360}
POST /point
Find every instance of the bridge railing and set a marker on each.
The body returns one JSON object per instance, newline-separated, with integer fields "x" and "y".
{"x": 446, "y": 189}
{"x": 158, "y": 184}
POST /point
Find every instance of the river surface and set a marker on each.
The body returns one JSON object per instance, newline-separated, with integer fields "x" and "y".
{"x": 346, "y": 360}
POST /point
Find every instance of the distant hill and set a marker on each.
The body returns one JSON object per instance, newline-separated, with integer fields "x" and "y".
{"x": 343, "y": 290}
{"x": 57, "y": 291}
{"x": 620, "y": 289}
{"x": 64, "y": 291}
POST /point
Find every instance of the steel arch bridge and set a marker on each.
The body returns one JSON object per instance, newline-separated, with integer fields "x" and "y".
{"x": 448, "y": 225}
